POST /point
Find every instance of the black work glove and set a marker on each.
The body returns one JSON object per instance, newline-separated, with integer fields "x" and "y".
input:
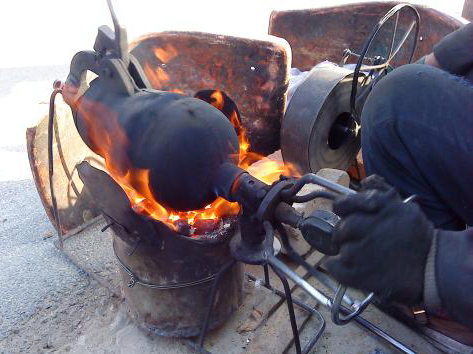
{"x": 375, "y": 182}
{"x": 384, "y": 245}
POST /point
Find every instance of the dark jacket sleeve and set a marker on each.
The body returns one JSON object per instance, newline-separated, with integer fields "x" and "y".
{"x": 454, "y": 272}
{"x": 454, "y": 53}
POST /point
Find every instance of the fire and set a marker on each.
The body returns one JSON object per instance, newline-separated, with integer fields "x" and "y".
{"x": 263, "y": 168}
{"x": 158, "y": 76}
{"x": 165, "y": 54}
{"x": 109, "y": 141}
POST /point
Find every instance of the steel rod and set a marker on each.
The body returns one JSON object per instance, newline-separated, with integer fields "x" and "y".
{"x": 213, "y": 292}
{"x": 317, "y": 295}
{"x": 378, "y": 331}
{"x": 266, "y": 276}
{"x": 304, "y": 306}
{"x": 57, "y": 222}
{"x": 290, "y": 309}
{"x": 315, "y": 179}
{"x": 330, "y": 184}
{"x": 313, "y": 271}
{"x": 325, "y": 301}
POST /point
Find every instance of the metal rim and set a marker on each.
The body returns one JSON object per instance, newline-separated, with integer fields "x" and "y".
{"x": 392, "y": 52}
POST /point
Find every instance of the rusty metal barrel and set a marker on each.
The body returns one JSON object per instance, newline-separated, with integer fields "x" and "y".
{"x": 168, "y": 286}
{"x": 167, "y": 277}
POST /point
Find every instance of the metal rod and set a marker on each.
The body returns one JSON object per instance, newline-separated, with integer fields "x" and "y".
{"x": 313, "y": 271}
{"x": 305, "y": 307}
{"x": 51, "y": 165}
{"x": 312, "y": 195}
{"x": 290, "y": 309}
{"x": 313, "y": 178}
{"x": 317, "y": 295}
{"x": 116, "y": 24}
{"x": 205, "y": 326}
{"x": 266, "y": 276}
{"x": 319, "y": 332}
{"x": 394, "y": 34}
{"x": 378, "y": 331}
{"x": 325, "y": 301}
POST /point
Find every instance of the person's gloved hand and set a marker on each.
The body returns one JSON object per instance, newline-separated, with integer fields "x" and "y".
{"x": 384, "y": 245}
{"x": 375, "y": 182}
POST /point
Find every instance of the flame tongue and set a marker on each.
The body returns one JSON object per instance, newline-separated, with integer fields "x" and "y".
{"x": 109, "y": 141}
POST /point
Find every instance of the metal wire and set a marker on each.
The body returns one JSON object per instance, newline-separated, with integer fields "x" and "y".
{"x": 290, "y": 308}
{"x": 51, "y": 163}
{"x": 135, "y": 280}
{"x": 313, "y": 195}
{"x": 305, "y": 307}
{"x": 289, "y": 193}
{"x": 213, "y": 292}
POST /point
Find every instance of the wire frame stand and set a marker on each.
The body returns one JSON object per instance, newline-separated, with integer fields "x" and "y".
{"x": 198, "y": 345}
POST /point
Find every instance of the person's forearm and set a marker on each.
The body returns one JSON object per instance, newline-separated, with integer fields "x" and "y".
{"x": 454, "y": 53}
{"x": 454, "y": 274}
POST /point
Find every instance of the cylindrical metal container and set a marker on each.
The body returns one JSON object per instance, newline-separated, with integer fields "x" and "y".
{"x": 167, "y": 277}
{"x": 167, "y": 284}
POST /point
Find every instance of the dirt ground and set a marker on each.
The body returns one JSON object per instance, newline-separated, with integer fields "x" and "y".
{"x": 88, "y": 320}
{"x": 59, "y": 322}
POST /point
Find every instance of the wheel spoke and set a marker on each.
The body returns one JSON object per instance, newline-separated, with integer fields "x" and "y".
{"x": 394, "y": 35}
{"x": 368, "y": 88}
{"x": 376, "y": 65}
{"x": 408, "y": 32}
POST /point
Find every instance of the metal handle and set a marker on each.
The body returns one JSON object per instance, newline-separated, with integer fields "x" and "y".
{"x": 76, "y": 82}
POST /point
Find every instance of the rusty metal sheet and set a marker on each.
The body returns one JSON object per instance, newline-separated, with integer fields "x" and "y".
{"x": 322, "y": 34}
{"x": 254, "y": 73}
{"x": 467, "y": 11}
{"x": 75, "y": 206}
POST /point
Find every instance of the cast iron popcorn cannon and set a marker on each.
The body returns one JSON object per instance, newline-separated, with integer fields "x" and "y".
{"x": 150, "y": 138}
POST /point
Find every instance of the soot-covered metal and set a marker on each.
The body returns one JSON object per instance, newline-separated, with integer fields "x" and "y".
{"x": 167, "y": 277}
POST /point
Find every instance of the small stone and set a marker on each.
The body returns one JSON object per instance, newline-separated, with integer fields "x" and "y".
{"x": 47, "y": 235}
{"x": 251, "y": 323}
{"x": 87, "y": 215}
{"x": 47, "y": 345}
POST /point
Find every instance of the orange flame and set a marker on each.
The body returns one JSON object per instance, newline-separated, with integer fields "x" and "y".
{"x": 158, "y": 77}
{"x": 110, "y": 141}
{"x": 166, "y": 54}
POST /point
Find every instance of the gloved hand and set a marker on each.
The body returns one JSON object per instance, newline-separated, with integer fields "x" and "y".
{"x": 384, "y": 245}
{"x": 375, "y": 182}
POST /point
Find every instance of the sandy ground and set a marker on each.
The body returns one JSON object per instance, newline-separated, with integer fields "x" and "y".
{"x": 47, "y": 304}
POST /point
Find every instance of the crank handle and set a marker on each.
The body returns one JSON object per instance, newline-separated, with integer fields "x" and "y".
{"x": 334, "y": 306}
